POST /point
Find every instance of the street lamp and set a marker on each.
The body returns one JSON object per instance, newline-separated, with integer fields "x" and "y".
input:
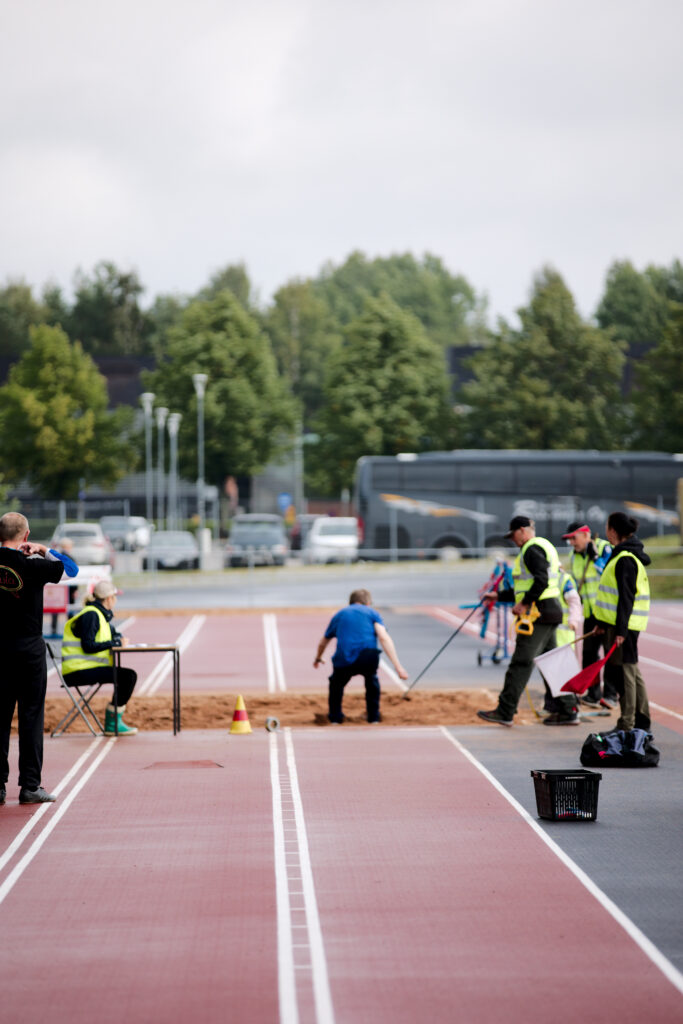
{"x": 173, "y": 425}
{"x": 147, "y": 400}
{"x": 199, "y": 380}
{"x": 161, "y": 413}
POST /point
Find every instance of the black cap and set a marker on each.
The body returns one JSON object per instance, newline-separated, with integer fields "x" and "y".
{"x": 576, "y": 527}
{"x": 516, "y": 523}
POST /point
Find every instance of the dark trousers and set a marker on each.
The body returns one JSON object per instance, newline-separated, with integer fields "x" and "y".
{"x": 623, "y": 674}
{"x": 521, "y": 666}
{"x": 126, "y": 678}
{"x": 594, "y": 647}
{"x": 365, "y": 665}
{"x": 23, "y": 682}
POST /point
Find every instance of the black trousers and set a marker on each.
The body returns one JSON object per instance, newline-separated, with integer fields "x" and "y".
{"x": 23, "y": 682}
{"x": 365, "y": 665}
{"x": 593, "y": 648}
{"x": 126, "y": 678}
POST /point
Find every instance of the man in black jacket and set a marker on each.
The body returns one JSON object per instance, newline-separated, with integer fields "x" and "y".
{"x": 536, "y": 583}
{"x": 23, "y": 679}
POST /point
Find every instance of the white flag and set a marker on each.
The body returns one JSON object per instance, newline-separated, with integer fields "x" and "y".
{"x": 557, "y": 666}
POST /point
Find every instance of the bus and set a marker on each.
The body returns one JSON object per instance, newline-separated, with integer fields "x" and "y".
{"x": 439, "y": 503}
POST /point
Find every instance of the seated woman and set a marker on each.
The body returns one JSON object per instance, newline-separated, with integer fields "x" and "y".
{"x": 87, "y": 658}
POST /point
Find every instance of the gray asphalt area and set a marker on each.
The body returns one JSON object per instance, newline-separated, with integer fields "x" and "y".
{"x": 634, "y": 850}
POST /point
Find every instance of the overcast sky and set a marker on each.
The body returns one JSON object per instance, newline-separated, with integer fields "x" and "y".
{"x": 177, "y": 136}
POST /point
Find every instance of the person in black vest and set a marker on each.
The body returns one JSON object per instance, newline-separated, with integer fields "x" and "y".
{"x": 23, "y": 678}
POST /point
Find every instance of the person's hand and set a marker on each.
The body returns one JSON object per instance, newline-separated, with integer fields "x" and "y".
{"x": 591, "y": 551}
{"x": 318, "y": 661}
{"x": 599, "y": 630}
{"x": 29, "y": 548}
{"x": 520, "y": 609}
{"x": 490, "y": 595}
{"x": 401, "y": 672}
{"x": 619, "y": 640}
{"x": 124, "y": 641}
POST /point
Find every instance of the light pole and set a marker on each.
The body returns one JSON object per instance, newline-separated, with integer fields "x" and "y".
{"x": 173, "y": 425}
{"x": 161, "y": 413}
{"x": 199, "y": 380}
{"x": 147, "y": 400}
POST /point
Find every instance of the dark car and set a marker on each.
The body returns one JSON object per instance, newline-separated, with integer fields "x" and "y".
{"x": 299, "y": 532}
{"x": 172, "y": 549}
{"x": 256, "y": 539}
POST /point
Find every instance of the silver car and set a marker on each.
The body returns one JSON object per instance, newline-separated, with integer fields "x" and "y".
{"x": 172, "y": 549}
{"x": 89, "y": 545}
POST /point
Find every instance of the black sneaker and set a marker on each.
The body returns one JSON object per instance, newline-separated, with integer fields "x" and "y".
{"x": 495, "y": 717}
{"x": 558, "y": 719}
{"x": 36, "y": 796}
{"x": 589, "y": 702}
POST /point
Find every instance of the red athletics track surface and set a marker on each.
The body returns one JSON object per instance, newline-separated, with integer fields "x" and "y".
{"x": 402, "y": 886}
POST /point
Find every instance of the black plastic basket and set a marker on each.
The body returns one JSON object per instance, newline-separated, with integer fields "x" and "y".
{"x": 567, "y": 795}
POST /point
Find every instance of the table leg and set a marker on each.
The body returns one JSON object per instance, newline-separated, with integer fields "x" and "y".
{"x": 115, "y": 667}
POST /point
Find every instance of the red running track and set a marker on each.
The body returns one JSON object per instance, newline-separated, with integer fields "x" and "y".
{"x": 161, "y": 892}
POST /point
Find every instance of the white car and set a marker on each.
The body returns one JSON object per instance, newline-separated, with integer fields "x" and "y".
{"x": 332, "y": 539}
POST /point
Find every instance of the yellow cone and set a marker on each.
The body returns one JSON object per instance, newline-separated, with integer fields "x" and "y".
{"x": 240, "y": 719}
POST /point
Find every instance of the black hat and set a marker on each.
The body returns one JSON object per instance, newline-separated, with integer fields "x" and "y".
{"x": 575, "y": 527}
{"x": 516, "y": 523}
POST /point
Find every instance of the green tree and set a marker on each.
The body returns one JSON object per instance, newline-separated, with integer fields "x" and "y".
{"x": 248, "y": 413}
{"x": 54, "y": 420}
{"x": 658, "y": 398}
{"x": 445, "y": 304}
{"x": 232, "y": 278}
{"x": 303, "y": 334}
{"x": 386, "y": 391}
{"x": 19, "y": 311}
{"x": 552, "y": 384}
{"x": 106, "y": 316}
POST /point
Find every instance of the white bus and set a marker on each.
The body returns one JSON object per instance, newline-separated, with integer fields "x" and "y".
{"x": 434, "y": 502}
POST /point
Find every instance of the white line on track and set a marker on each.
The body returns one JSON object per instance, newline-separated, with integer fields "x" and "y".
{"x": 294, "y": 878}
{"x": 632, "y": 930}
{"x": 274, "y": 666}
{"x": 384, "y": 664}
{"x": 665, "y": 711}
{"x": 162, "y": 670}
{"x": 19, "y": 868}
{"x": 43, "y": 808}
{"x": 662, "y": 639}
{"x": 460, "y": 620}
{"x": 661, "y": 664}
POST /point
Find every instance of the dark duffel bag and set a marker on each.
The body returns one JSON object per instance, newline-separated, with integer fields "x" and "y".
{"x": 619, "y": 749}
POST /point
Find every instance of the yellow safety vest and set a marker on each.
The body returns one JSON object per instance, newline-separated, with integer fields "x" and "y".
{"x": 607, "y": 597}
{"x": 588, "y": 589}
{"x": 563, "y": 634}
{"x": 523, "y": 579}
{"x": 74, "y": 658}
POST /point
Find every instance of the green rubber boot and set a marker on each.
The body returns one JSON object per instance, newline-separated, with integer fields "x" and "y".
{"x": 110, "y": 722}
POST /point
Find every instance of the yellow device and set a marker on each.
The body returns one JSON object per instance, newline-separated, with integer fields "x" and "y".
{"x": 525, "y": 623}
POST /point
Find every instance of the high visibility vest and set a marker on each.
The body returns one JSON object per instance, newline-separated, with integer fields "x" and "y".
{"x": 523, "y": 579}
{"x": 74, "y": 658}
{"x": 607, "y": 597}
{"x": 583, "y": 569}
{"x": 563, "y": 634}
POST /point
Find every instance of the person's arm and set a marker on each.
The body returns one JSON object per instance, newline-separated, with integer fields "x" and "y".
{"x": 87, "y": 626}
{"x": 43, "y": 568}
{"x": 626, "y": 572}
{"x": 324, "y": 641}
{"x": 70, "y": 567}
{"x": 389, "y": 649}
{"x": 537, "y": 564}
{"x": 571, "y": 596}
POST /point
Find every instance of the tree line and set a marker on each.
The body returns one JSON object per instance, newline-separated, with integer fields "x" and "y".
{"x": 356, "y": 356}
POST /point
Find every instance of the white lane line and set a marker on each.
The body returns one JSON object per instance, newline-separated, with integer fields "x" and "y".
{"x": 661, "y": 664}
{"x": 470, "y": 627}
{"x": 665, "y": 711}
{"x": 631, "y": 929}
{"x": 270, "y": 666}
{"x": 163, "y": 669}
{"x": 277, "y": 656}
{"x": 289, "y": 1013}
{"x": 662, "y": 639}
{"x": 43, "y": 808}
{"x": 19, "y": 868}
{"x": 321, "y": 984}
{"x": 386, "y": 667}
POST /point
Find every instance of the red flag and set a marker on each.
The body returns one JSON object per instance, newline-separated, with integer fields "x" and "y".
{"x": 580, "y": 682}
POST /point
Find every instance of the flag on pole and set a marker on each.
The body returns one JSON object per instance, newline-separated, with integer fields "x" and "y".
{"x": 587, "y": 676}
{"x": 557, "y": 666}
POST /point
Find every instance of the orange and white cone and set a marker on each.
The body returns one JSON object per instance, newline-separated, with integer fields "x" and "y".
{"x": 240, "y": 719}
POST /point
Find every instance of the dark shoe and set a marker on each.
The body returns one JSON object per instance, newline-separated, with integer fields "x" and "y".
{"x": 589, "y": 702}
{"x": 495, "y": 717}
{"x": 558, "y": 719}
{"x": 36, "y": 796}
{"x": 607, "y": 702}
{"x": 335, "y": 721}
{"x": 3, "y": 795}
{"x": 375, "y": 721}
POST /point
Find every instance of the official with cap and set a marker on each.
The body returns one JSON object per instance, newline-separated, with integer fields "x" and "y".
{"x": 535, "y": 575}
{"x": 590, "y": 557}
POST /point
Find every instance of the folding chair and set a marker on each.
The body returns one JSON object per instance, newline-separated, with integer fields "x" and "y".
{"x": 81, "y": 702}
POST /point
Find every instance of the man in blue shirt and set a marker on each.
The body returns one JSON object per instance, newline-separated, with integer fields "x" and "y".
{"x": 357, "y": 628}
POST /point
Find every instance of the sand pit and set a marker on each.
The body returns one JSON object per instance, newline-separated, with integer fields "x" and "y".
{"x": 215, "y": 711}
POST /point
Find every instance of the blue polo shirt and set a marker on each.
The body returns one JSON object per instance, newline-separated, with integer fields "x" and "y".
{"x": 354, "y": 628}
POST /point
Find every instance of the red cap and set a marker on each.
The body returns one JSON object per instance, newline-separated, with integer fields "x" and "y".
{"x": 575, "y": 528}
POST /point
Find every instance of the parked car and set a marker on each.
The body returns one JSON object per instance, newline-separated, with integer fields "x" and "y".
{"x": 172, "y": 549}
{"x": 332, "y": 539}
{"x": 256, "y": 539}
{"x": 127, "y": 533}
{"x": 89, "y": 544}
{"x": 299, "y": 532}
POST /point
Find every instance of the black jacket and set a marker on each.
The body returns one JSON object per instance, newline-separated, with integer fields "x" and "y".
{"x": 87, "y": 626}
{"x": 626, "y": 573}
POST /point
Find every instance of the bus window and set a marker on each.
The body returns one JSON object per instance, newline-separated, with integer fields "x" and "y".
{"x": 385, "y": 475}
{"x": 606, "y": 480}
{"x": 653, "y": 483}
{"x": 487, "y": 478}
{"x": 429, "y": 477}
{"x": 544, "y": 478}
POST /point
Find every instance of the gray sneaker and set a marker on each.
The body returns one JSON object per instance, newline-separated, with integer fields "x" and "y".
{"x": 495, "y": 717}
{"x": 36, "y": 796}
